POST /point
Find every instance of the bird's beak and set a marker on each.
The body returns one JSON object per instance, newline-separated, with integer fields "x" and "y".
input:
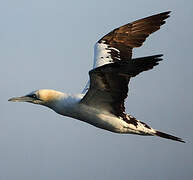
{"x": 21, "y": 99}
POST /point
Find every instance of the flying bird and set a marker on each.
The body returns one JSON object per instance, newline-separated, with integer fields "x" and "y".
{"x": 102, "y": 101}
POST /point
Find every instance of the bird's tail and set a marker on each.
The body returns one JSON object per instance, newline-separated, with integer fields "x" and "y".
{"x": 138, "y": 127}
{"x": 167, "y": 136}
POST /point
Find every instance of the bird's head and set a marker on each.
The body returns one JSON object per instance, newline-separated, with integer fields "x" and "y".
{"x": 43, "y": 97}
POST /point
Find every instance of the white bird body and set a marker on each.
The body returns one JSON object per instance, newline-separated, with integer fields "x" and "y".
{"x": 102, "y": 102}
{"x": 69, "y": 105}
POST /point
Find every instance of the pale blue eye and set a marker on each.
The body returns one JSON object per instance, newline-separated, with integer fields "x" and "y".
{"x": 34, "y": 96}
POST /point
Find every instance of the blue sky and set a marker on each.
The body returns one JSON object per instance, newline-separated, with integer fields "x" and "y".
{"x": 49, "y": 44}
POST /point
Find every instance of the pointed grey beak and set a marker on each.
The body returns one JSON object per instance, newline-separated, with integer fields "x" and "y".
{"x": 21, "y": 99}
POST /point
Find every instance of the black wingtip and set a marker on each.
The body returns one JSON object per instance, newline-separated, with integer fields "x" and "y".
{"x": 168, "y": 136}
{"x": 149, "y": 57}
{"x": 166, "y": 13}
{"x": 153, "y": 56}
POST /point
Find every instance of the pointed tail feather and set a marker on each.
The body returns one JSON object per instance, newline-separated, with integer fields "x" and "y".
{"x": 168, "y": 136}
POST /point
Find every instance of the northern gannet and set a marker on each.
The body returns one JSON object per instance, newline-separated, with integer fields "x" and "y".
{"x": 102, "y": 101}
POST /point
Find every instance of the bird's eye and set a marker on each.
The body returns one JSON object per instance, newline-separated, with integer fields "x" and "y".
{"x": 34, "y": 96}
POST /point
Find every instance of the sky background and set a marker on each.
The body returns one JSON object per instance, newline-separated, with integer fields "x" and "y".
{"x": 49, "y": 44}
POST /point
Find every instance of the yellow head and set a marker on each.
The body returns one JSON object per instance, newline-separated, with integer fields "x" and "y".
{"x": 43, "y": 97}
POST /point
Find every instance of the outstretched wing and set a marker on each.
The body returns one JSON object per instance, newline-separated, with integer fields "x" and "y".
{"x": 118, "y": 44}
{"x": 109, "y": 83}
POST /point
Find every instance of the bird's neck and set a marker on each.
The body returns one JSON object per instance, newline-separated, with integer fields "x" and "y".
{"x": 64, "y": 103}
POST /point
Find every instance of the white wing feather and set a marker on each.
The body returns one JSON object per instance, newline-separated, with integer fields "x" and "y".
{"x": 102, "y": 56}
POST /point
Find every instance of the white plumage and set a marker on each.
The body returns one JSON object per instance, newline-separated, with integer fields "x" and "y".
{"x": 102, "y": 101}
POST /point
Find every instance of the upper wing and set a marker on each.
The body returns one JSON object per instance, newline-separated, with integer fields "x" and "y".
{"x": 109, "y": 83}
{"x": 118, "y": 44}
